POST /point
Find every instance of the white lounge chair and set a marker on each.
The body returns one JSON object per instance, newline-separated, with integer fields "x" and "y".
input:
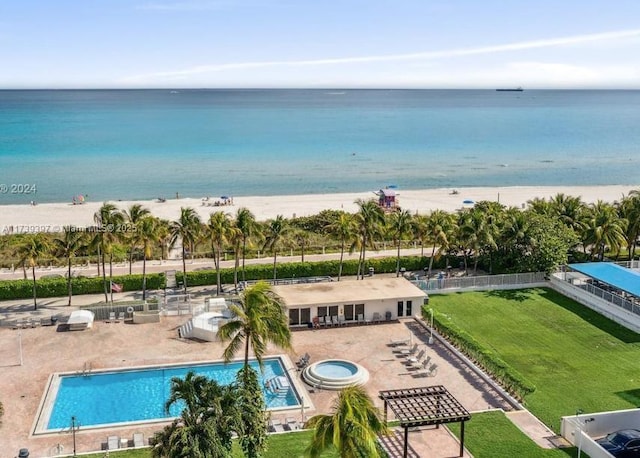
{"x": 292, "y": 424}
{"x": 113, "y": 443}
{"x": 112, "y": 317}
{"x": 276, "y": 426}
{"x": 410, "y": 351}
{"x": 138, "y": 440}
{"x": 121, "y": 316}
{"x": 377, "y": 318}
{"x": 334, "y": 320}
{"x": 415, "y": 359}
{"x": 361, "y": 318}
{"x": 341, "y": 320}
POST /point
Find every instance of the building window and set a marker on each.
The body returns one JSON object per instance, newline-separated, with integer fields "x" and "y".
{"x": 348, "y": 312}
{"x": 322, "y": 311}
{"x": 294, "y": 318}
{"x": 408, "y": 310}
{"x": 359, "y": 310}
{"x": 400, "y": 308}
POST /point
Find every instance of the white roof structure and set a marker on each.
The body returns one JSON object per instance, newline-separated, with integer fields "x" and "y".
{"x": 80, "y": 319}
{"x": 349, "y": 291}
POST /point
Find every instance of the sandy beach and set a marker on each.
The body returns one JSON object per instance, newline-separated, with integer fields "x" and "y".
{"x": 52, "y": 217}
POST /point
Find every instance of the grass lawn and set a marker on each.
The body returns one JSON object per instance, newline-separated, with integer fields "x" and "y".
{"x": 290, "y": 445}
{"x": 576, "y": 358}
{"x": 491, "y": 435}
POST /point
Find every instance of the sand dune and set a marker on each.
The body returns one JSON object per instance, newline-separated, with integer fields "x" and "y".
{"x": 51, "y": 217}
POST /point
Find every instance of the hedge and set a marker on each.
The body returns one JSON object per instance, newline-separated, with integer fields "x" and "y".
{"x": 507, "y": 376}
{"x": 57, "y": 287}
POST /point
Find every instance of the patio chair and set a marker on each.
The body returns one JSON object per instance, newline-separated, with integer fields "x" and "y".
{"x": 410, "y": 351}
{"x": 113, "y": 443}
{"x": 361, "y": 318}
{"x": 291, "y": 424}
{"x": 138, "y": 440}
{"x": 303, "y": 361}
{"x": 112, "y": 317}
{"x": 415, "y": 359}
{"x": 341, "y": 320}
{"x": 276, "y": 426}
{"x": 421, "y": 366}
{"x": 399, "y": 342}
{"x": 377, "y": 318}
{"x": 334, "y": 320}
{"x": 121, "y": 316}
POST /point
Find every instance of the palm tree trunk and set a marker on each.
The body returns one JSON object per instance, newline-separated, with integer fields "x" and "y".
{"x": 218, "y": 280}
{"x": 184, "y": 269}
{"x": 144, "y": 272}
{"x": 341, "y": 258}
{"x": 236, "y": 264}
{"x": 398, "y": 261}
{"x": 69, "y": 282}
{"x": 275, "y": 257}
{"x": 104, "y": 274}
{"x": 33, "y": 271}
{"x": 130, "y": 260}
{"x": 433, "y": 253}
{"x": 302, "y": 251}
{"x": 246, "y": 351}
{"x": 111, "y": 275}
{"x": 244, "y": 254}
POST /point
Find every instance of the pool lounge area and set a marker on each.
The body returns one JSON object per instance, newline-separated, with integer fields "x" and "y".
{"x": 126, "y": 396}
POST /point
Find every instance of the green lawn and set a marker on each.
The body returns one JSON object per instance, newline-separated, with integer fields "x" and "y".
{"x": 576, "y": 358}
{"x": 492, "y": 435}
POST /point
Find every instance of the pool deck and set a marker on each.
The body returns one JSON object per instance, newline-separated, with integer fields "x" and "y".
{"x": 119, "y": 345}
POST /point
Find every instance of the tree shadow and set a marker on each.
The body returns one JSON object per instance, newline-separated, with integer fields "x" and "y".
{"x": 518, "y": 295}
{"x": 631, "y": 396}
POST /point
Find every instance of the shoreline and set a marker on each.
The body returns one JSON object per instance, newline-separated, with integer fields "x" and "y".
{"x": 51, "y": 217}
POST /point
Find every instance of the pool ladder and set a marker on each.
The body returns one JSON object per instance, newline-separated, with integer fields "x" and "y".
{"x": 86, "y": 370}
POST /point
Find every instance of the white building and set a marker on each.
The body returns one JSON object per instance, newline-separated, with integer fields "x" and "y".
{"x": 371, "y": 299}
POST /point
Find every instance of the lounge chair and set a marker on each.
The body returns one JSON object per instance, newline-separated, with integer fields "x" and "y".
{"x": 276, "y": 426}
{"x": 361, "y": 318}
{"x": 399, "y": 342}
{"x": 303, "y": 361}
{"x": 138, "y": 440}
{"x": 341, "y": 320}
{"x": 410, "y": 351}
{"x": 121, "y": 316}
{"x": 113, "y": 443}
{"x": 334, "y": 320}
{"x": 377, "y": 318}
{"x": 421, "y": 366}
{"x": 291, "y": 424}
{"x": 415, "y": 359}
{"x": 112, "y": 317}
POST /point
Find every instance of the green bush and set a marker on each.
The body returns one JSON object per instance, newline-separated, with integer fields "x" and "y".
{"x": 510, "y": 379}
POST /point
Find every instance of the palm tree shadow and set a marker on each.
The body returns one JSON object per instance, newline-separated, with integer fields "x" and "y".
{"x": 518, "y": 295}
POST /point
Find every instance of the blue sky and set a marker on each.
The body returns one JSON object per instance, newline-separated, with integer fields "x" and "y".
{"x": 320, "y": 43}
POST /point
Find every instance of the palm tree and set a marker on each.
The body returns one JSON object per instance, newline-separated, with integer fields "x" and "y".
{"x": 275, "y": 231}
{"x": 205, "y": 426}
{"x": 369, "y": 220}
{"x": 218, "y": 230}
{"x": 67, "y": 245}
{"x": 440, "y": 226}
{"x": 630, "y": 210}
{"x": 133, "y": 216}
{"x": 147, "y": 231}
{"x": 32, "y": 248}
{"x": 343, "y": 229}
{"x": 186, "y": 229}
{"x": 301, "y": 237}
{"x": 164, "y": 236}
{"x": 421, "y": 231}
{"x": 246, "y": 223}
{"x": 352, "y": 429}
{"x": 399, "y": 226}
{"x": 604, "y": 228}
{"x": 107, "y": 219}
{"x": 260, "y": 318}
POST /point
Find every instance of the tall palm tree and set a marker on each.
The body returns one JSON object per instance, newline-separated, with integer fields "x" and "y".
{"x": 246, "y": 222}
{"x": 33, "y": 247}
{"x": 604, "y": 228}
{"x": 421, "y": 231}
{"x": 302, "y": 238}
{"x": 205, "y": 426}
{"x": 164, "y": 236}
{"x": 352, "y": 429}
{"x": 147, "y": 231}
{"x": 399, "y": 226}
{"x": 107, "y": 219}
{"x": 440, "y": 228}
{"x": 274, "y": 233}
{"x": 260, "y": 318}
{"x": 219, "y": 230}
{"x": 629, "y": 209}
{"x": 343, "y": 229}
{"x": 67, "y": 245}
{"x": 369, "y": 220}
{"x": 186, "y": 229}
{"x": 133, "y": 216}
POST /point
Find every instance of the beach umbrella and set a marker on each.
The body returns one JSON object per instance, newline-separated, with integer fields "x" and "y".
{"x": 81, "y": 198}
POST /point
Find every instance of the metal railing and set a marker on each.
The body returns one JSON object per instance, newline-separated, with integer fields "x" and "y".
{"x": 480, "y": 282}
{"x": 614, "y": 297}
{"x": 285, "y": 281}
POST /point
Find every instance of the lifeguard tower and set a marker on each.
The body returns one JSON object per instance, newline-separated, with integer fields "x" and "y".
{"x": 388, "y": 199}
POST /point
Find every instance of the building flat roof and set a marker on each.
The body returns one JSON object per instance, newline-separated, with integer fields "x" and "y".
{"x": 348, "y": 291}
{"x": 612, "y": 274}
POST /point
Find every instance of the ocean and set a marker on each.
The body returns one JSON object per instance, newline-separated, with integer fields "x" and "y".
{"x": 143, "y": 144}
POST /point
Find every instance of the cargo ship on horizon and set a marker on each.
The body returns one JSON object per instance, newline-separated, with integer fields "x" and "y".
{"x": 513, "y": 89}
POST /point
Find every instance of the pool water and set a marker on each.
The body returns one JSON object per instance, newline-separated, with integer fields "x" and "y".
{"x": 336, "y": 369}
{"x": 140, "y": 394}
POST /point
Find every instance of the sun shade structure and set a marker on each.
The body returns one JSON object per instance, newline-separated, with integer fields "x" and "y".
{"x": 429, "y": 405}
{"x": 80, "y": 320}
{"x": 612, "y": 274}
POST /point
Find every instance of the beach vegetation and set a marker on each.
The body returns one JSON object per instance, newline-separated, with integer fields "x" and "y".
{"x": 629, "y": 209}
{"x": 249, "y": 229}
{"x": 370, "y": 222}
{"x": 67, "y": 245}
{"x": 148, "y": 233}
{"x": 352, "y": 429}
{"x": 605, "y": 229}
{"x": 400, "y": 227}
{"x": 275, "y": 231}
{"x": 205, "y": 425}
{"x": 33, "y": 248}
{"x": 344, "y": 229}
{"x": 219, "y": 231}
{"x": 134, "y": 216}
{"x": 186, "y": 231}
{"x": 439, "y": 232}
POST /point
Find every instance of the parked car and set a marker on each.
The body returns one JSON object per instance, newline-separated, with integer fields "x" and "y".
{"x": 622, "y": 444}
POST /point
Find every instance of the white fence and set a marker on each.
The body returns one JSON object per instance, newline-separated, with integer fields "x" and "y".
{"x": 484, "y": 282}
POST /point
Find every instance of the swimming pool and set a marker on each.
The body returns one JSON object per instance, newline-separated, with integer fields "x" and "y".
{"x": 138, "y": 395}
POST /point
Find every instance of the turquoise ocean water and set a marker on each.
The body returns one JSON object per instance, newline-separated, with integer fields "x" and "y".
{"x": 142, "y": 144}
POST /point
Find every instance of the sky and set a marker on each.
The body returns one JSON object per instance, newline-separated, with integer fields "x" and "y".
{"x": 435, "y": 44}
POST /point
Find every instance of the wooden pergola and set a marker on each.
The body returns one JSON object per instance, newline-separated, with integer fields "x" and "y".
{"x": 429, "y": 405}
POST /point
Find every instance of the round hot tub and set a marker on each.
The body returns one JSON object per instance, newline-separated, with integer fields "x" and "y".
{"x": 335, "y": 374}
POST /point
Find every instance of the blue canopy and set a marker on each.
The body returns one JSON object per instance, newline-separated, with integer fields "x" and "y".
{"x": 612, "y": 274}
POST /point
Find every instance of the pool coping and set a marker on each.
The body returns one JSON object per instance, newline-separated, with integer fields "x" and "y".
{"x": 45, "y": 406}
